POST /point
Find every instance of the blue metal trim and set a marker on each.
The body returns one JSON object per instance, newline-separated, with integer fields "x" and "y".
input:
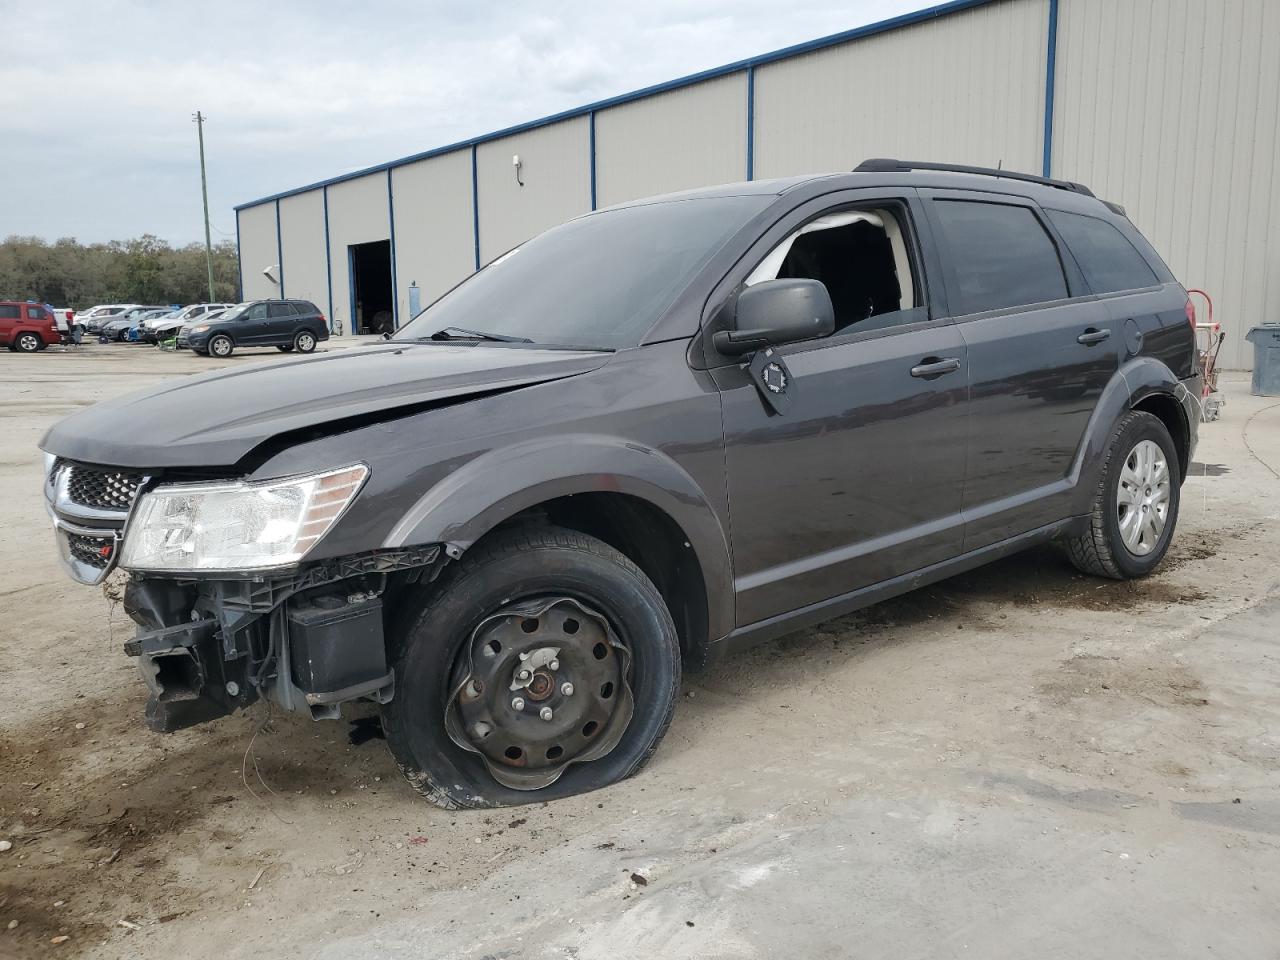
{"x": 751, "y": 123}
{"x": 858, "y": 33}
{"x": 1051, "y": 62}
{"x": 239, "y": 262}
{"x": 395, "y": 291}
{"x": 328, "y": 256}
{"x": 475, "y": 204}
{"x": 351, "y": 291}
{"x": 279, "y": 251}
{"x": 591, "y": 148}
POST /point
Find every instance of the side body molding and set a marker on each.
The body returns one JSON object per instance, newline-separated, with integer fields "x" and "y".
{"x": 495, "y": 486}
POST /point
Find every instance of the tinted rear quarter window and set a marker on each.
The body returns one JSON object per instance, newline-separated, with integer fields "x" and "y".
{"x": 1000, "y": 256}
{"x": 1110, "y": 263}
{"x": 305, "y": 307}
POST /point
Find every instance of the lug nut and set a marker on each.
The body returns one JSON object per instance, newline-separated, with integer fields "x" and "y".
{"x": 517, "y": 703}
{"x": 523, "y": 675}
{"x": 545, "y": 713}
{"x": 233, "y": 688}
{"x": 554, "y": 664}
{"x": 566, "y": 689}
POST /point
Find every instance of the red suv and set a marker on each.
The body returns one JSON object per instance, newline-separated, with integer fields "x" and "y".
{"x": 27, "y": 327}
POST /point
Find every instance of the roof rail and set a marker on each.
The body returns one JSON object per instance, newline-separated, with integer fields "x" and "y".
{"x": 886, "y": 165}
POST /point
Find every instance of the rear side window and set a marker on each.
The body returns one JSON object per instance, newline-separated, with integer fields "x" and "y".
{"x": 279, "y": 309}
{"x": 1110, "y": 263}
{"x": 1000, "y": 256}
{"x": 9, "y": 312}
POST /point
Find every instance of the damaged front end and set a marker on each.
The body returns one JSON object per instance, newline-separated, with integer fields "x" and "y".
{"x": 308, "y": 640}
{"x": 212, "y": 640}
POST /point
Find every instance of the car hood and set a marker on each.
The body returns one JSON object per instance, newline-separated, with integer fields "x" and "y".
{"x": 216, "y": 419}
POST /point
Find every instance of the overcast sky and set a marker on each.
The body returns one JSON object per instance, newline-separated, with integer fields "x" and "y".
{"x": 96, "y": 96}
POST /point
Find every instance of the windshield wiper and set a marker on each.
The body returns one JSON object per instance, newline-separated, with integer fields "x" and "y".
{"x": 459, "y": 333}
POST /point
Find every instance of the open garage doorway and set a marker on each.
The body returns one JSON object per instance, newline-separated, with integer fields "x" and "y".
{"x": 372, "y": 309}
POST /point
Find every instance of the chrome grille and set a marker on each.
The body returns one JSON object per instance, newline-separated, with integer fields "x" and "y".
{"x": 90, "y": 550}
{"x": 102, "y": 489}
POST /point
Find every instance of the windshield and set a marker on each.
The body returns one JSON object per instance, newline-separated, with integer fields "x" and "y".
{"x": 598, "y": 282}
{"x": 231, "y": 313}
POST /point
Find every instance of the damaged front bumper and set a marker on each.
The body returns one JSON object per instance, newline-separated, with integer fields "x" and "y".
{"x": 307, "y": 640}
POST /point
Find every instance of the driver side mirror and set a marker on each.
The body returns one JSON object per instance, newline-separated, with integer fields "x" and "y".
{"x": 775, "y": 312}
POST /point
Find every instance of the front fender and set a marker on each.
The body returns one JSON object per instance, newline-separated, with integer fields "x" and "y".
{"x": 472, "y": 500}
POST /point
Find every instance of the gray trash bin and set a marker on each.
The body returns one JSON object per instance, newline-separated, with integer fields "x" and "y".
{"x": 1266, "y": 359}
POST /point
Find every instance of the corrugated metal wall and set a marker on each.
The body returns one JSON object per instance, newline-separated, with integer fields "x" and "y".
{"x": 1171, "y": 108}
{"x": 692, "y": 137}
{"x": 966, "y": 88}
{"x": 302, "y": 242}
{"x": 258, "y": 250}
{"x": 358, "y": 213}
{"x": 435, "y": 243}
{"x": 556, "y": 170}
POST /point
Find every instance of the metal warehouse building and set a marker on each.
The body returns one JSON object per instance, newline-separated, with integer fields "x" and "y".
{"x": 1169, "y": 107}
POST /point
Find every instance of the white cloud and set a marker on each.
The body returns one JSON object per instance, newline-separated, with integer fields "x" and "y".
{"x": 297, "y": 92}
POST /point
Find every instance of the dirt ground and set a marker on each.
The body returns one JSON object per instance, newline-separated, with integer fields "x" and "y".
{"x": 1021, "y": 761}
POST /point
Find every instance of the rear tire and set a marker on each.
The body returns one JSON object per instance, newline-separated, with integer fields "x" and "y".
{"x": 1131, "y": 499}
{"x": 304, "y": 341}
{"x": 220, "y": 346}
{"x": 434, "y": 648}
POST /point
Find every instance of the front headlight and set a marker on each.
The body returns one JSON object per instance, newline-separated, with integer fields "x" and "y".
{"x": 201, "y": 328}
{"x": 236, "y": 526}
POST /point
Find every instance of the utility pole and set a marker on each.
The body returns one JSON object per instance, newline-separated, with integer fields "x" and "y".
{"x": 198, "y": 118}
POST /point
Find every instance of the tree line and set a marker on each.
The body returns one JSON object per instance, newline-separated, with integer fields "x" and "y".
{"x": 67, "y": 273}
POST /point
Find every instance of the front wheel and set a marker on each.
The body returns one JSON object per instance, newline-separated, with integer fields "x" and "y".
{"x": 285, "y": 347}
{"x": 27, "y": 343}
{"x": 544, "y": 664}
{"x": 221, "y": 346}
{"x": 305, "y": 341}
{"x": 1135, "y": 507}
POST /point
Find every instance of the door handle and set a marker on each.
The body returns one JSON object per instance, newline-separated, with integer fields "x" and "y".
{"x": 931, "y": 367}
{"x": 1093, "y": 335}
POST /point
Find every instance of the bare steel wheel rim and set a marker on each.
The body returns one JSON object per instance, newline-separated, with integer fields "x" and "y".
{"x": 1142, "y": 497}
{"x": 540, "y": 685}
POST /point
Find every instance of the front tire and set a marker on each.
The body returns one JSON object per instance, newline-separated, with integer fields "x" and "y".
{"x": 544, "y": 589}
{"x": 1135, "y": 507}
{"x": 220, "y": 346}
{"x": 27, "y": 343}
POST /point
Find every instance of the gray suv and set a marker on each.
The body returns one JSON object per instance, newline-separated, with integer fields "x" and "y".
{"x": 641, "y": 440}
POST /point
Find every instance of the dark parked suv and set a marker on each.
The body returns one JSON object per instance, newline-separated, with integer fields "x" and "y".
{"x": 649, "y": 436}
{"x": 285, "y": 324}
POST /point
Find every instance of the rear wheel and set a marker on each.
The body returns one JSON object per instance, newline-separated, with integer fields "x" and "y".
{"x": 545, "y": 665}
{"x": 27, "y": 342}
{"x": 305, "y": 341}
{"x": 220, "y": 345}
{"x": 1135, "y": 507}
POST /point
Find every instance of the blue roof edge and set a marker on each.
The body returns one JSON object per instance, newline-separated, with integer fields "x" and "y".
{"x": 808, "y": 46}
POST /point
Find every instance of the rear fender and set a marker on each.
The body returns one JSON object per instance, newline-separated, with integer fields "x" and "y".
{"x": 496, "y": 486}
{"x": 1136, "y": 380}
